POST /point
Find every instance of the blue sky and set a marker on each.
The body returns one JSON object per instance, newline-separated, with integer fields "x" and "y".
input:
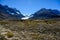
{"x": 28, "y": 7}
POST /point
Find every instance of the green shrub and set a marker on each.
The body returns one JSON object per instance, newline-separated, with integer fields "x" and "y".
{"x": 9, "y": 34}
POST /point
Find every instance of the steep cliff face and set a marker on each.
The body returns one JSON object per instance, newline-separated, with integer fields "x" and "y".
{"x": 9, "y": 13}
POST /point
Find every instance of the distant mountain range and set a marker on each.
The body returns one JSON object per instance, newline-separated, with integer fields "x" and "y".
{"x": 46, "y": 14}
{"x": 7, "y": 13}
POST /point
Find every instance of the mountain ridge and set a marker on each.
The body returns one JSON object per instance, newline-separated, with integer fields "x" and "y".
{"x": 46, "y": 14}
{"x": 8, "y": 13}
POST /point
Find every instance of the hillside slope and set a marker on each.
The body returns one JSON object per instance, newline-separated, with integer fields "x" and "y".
{"x": 46, "y": 14}
{"x": 30, "y": 30}
{"x": 7, "y": 13}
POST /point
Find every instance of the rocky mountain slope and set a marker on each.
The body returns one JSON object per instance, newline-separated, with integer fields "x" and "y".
{"x": 46, "y": 14}
{"x": 7, "y": 13}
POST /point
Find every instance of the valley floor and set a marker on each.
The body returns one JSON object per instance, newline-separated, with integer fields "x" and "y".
{"x": 30, "y": 30}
